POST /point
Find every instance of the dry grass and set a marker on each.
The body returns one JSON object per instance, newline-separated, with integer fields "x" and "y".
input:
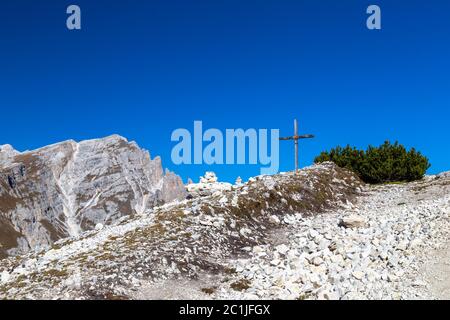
{"x": 240, "y": 285}
{"x": 209, "y": 291}
{"x": 8, "y": 237}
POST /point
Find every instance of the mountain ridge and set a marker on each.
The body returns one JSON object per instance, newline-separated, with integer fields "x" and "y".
{"x": 65, "y": 188}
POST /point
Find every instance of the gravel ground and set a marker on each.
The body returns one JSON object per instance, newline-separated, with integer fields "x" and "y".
{"x": 402, "y": 252}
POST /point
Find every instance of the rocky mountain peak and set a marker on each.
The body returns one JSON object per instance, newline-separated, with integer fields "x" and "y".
{"x": 66, "y": 188}
{"x": 7, "y": 152}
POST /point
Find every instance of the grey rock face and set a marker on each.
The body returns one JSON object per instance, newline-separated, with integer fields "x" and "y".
{"x": 64, "y": 189}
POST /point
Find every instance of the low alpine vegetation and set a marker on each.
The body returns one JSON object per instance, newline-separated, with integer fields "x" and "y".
{"x": 383, "y": 164}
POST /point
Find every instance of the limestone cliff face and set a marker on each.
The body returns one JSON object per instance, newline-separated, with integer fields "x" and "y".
{"x": 64, "y": 189}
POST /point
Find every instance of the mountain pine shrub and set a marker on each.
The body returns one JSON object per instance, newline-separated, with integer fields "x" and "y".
{"x": 383, "y": 164}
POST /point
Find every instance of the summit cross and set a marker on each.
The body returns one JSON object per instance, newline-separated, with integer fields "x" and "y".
{"x": 296, "y": 137}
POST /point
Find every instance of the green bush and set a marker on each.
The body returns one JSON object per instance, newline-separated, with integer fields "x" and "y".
{"x": 387, "y": 163}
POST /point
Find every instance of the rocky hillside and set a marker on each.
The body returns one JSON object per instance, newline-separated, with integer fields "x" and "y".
{"x": 181, "y": 240}
{"x": 65, "y": 189}
{"x": 319, "y": 234}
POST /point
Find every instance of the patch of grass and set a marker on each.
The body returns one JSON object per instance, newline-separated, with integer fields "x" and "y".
{"x": 112, "y": 296}
{"x": 228, "y": 270}
{"x": 108, "y": 295}
{"x": 209, "y": 290}
{"x": 241, "y": 285}
{"x": 54, "y": 275}
{"x": 20, "y": 282}
{"x": 304, "y": 296}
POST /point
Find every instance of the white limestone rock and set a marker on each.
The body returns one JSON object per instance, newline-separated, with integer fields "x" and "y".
{"x": 208, "y": 185}
{"x": 353, "y": 221}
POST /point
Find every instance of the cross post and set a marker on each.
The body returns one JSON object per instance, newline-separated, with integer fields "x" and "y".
{"x": 296, "y": 137}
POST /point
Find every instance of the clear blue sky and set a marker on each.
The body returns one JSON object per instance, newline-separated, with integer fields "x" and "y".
{"x": 144, "y": 68}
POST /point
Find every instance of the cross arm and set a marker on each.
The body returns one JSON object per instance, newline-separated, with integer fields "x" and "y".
{"x": 306, "y": 136}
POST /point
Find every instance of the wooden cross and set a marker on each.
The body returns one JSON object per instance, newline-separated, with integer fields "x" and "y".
{"x": 296, "y": 137}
